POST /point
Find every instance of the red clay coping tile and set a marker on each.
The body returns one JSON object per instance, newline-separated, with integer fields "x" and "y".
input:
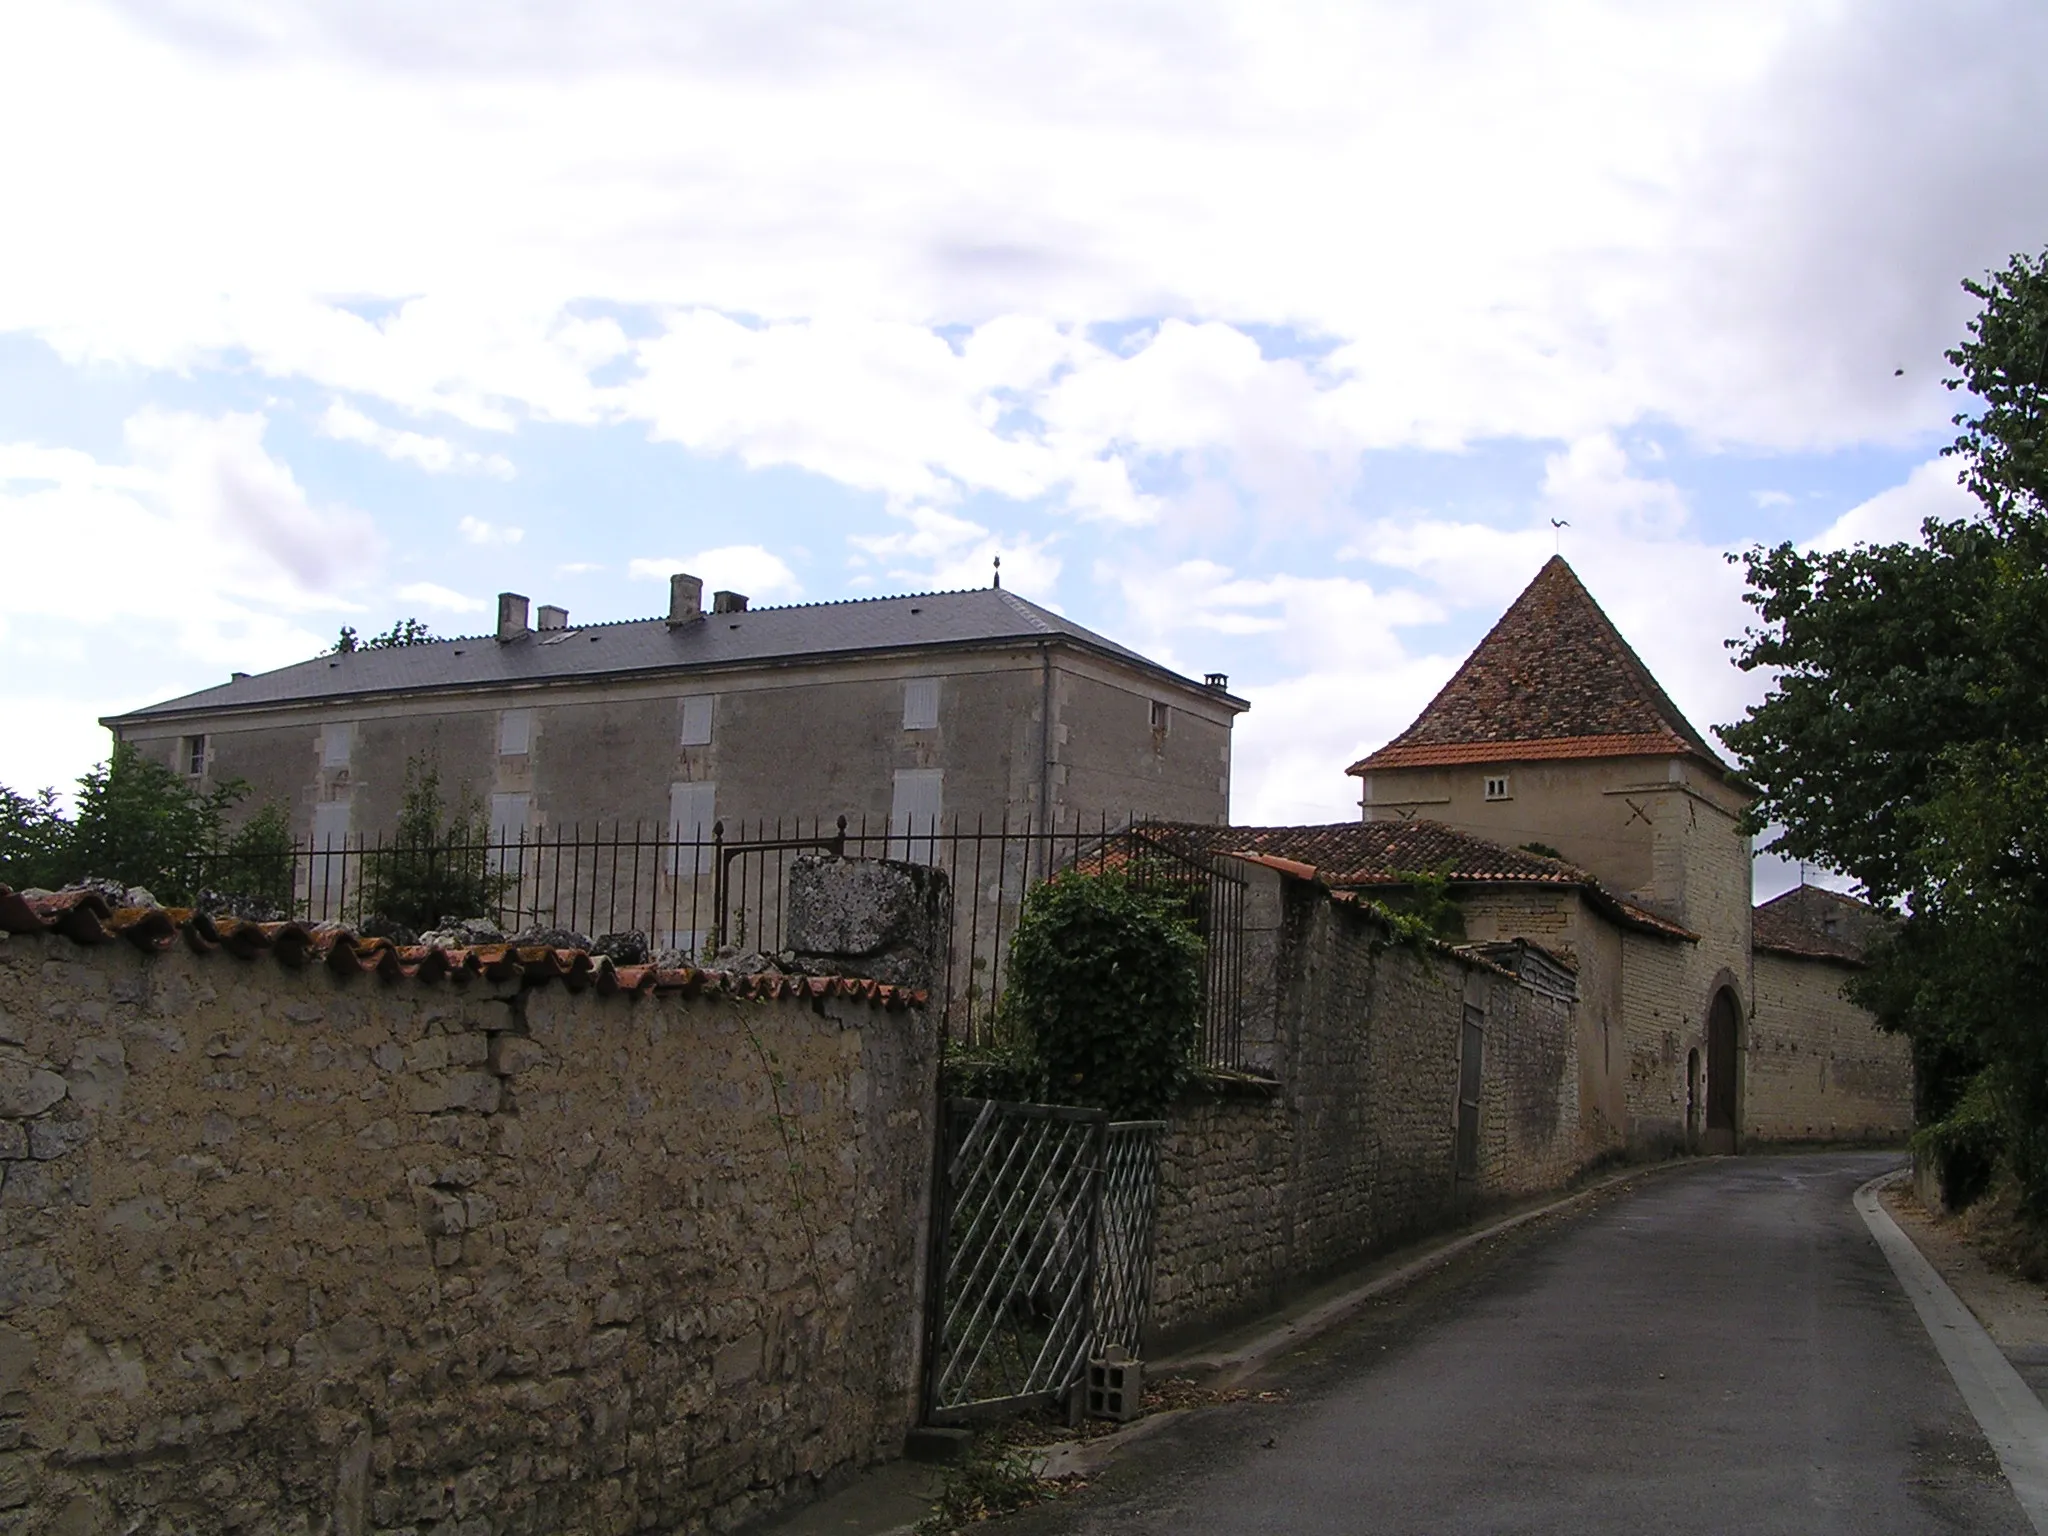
{"x": 1448, "y": 754}
{"x": 85, "y": 917}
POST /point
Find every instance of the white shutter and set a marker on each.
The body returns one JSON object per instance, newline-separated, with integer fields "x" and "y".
{"x": 328, "y": 860}
{"x": 509, "y": 817}
{"x": 921, "y": 704}
{"x": 515, "y": 733}
{"x": 914, "y": 809}
{"x": 337, "y": 739}
{"x": 697, "y": 721}
{"x": 692, "y": 810}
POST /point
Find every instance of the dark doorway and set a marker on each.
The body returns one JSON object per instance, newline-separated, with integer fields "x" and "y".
{"x": 1724, "y": 1028}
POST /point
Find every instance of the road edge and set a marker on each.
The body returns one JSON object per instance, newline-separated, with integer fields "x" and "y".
{"x": 2004, "y": 1406}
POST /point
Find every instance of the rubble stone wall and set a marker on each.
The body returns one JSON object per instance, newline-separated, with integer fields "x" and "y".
{"x": 1353, "y": 1147}
{"x": 283, "y": 1249}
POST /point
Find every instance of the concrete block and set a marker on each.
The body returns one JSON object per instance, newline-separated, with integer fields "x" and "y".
{"x": 880, "y": 918}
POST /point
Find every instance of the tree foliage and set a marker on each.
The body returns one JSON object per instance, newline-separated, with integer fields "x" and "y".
{"x": 403, "y": 632}
{"x": 438, "y": 864}
{"x": 1105, "y": 990}
{"x": 141, "y": 824}
{"x": 1904, "y": 741}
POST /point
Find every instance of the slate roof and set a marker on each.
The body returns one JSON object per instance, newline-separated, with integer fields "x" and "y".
{"x": 1552, "y": 679}
{"x": 1811, "y": 922}
{"x": 932, "y": 620}
{"x": 85, "y": 917}
{"x": 1357, "y": 854}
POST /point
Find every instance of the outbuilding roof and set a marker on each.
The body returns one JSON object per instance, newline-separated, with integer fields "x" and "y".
{"x": 753, "y": 636}
{"x": 1361, "y": 854}
{"x": 1553, "y": 679}
{"x": 1811, "y": 922}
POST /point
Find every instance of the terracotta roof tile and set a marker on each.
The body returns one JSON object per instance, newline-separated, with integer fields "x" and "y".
{"x": 1813, "y": 923}
{"x": 1553, "y": 678}
{"x": 85, "y": 917}
{"x": 1360, "y": 854}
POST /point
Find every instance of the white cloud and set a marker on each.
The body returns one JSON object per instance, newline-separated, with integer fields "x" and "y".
{"x": 942, "y": 552}
{"x": 429, "y": 594}
{"x": 478, "y": 531}
{"x": 748, "y": 568}
{"x": 436, "y": 455}
{"x": 1893, "y": 515}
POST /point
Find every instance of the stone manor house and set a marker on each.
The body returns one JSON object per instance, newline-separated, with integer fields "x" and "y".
{"x": 910, "y": 710}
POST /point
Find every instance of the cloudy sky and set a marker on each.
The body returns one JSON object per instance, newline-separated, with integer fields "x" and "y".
{"x": 1267, "y": 338}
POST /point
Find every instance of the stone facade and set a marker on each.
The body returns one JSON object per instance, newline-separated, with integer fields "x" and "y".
{"x": 289, "y": 1249}
{"x": 1353, "y": 1144}
{"x": 1819, "y": 1069}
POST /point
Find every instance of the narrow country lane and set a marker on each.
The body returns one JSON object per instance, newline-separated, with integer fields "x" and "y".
{"x": 1721, "y": 1349}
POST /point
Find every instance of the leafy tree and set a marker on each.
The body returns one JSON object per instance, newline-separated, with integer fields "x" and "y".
{"x": 1105, "y": 987}
{"x": 1904, "y": 741}
{"x": 403, "y": 632}
{"x": 437, "y": 865}
{"x": 139, "y": 823}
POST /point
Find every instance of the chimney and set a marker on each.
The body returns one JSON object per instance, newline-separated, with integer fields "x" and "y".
{"x": 511, "y": 616}
{"x": 728, "y": 602}
{"x": 1220, "y": 681}
{"x": 685, "y": 599}
{"x": 552, "y": 617}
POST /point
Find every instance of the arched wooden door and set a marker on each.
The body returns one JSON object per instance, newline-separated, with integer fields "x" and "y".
{"x": 1724, "y": 1032}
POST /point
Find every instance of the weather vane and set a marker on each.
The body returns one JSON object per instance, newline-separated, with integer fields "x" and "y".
{"x": 1557, "y": 538}
{"x": 999, "y": 572}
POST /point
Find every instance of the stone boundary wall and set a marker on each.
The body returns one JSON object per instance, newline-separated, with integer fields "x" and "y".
{"x": 1817, "y": 1068}
{"x": 1353, "y": 1147}
{"x": 303, "y": 1248}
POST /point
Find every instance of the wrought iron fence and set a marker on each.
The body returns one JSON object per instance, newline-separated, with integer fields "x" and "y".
{"x": 689, "y": 894}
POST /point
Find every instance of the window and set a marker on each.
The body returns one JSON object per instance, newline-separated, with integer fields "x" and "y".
{"x": 337, "y": 740}
{"x": 509, "y": 817}
{"x": 914, "y": 810}
{"x": 1161, "y": 716}
{"x": 921, "y": 704}
{"x": 697, "y": 721}
{"x": 328, "y": 868}
{"x": 1497, "y": 787}
{"x": 194, "y": 755}
{"x": 515, "y": 733}
{"x": 692, "y": 812}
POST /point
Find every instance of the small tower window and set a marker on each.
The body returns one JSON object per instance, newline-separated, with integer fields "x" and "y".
{"x": 195, "y": 755}
{"x": 1497, "y": 787}
{"x": 1162, "y": 716}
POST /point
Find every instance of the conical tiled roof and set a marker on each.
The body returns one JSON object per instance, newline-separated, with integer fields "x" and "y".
{"x": 1552, "y": 679}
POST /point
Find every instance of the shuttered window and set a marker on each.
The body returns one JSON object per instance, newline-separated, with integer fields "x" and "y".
{"x": 515, "y": 733}
{"x": 692, "y": 811}
{"x": 697, "y": 721}
{"x": 914, "y": 811}
{"x": 921, "y": 704}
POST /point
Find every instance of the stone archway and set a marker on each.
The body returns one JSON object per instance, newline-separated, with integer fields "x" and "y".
{"x": 1724, "y": 1073}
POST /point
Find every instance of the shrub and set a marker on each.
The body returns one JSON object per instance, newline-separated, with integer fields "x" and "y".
{"x": 1105, "y": 986}
{"x": 438, "y": 865}
{"x": 1965, "y": 1145}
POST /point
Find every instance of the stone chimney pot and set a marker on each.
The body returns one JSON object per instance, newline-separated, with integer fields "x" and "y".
{"x": 511, "y": 616}
{"x": 552, "y": 617}
{"x": 685, "y": 599}
{"x": 728, "y": 602}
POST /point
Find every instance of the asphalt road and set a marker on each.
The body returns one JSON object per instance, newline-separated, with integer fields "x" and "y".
{"x": 1718, "y": 1349}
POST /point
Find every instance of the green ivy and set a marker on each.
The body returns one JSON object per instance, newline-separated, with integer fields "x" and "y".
{"x": 1105, "y": 991}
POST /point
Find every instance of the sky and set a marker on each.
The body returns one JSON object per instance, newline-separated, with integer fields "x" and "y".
{"x": 1271, "y": 339}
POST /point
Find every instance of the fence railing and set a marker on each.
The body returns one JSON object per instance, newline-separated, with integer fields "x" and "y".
{"x": 691, "y": 896}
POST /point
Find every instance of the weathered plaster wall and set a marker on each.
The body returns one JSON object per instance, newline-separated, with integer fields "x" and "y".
{"x": 1819, "y": 1068}
{"x": 1354, "y": 1147}
{"x": 286, "y": 1250}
